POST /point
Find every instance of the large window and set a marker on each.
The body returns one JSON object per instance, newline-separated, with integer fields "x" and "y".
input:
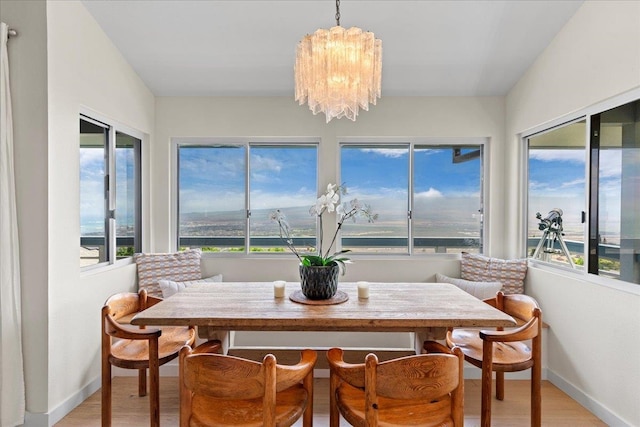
{"x": 110, "y": 217}
{"x": 555, "y": 231}
{"x": 429, "y": 196}
{"x": 226, "y": 193}
{"x": 599, "y": 200}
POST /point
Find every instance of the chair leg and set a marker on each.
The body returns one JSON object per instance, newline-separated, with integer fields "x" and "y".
{"x": 307, "y": 417}
{"x": 487, "y": 377}
{"x": 105, "y": 351}
{"x": 154, "y": 384}
{"x": 334, "y": 412}
{"x": 106, "y": 393}
{"x": 500, "y": 385}
{"x": 536, "y": 395}
{"x": 142, "y": 382}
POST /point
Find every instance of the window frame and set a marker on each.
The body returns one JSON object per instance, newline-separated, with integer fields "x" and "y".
{"x": 411, "y": 143}
{"x": 586, "y": 114}
{"x": 525, "y": 190}
{"x": 112, "y": 128}
{"x": 246, "y": 142}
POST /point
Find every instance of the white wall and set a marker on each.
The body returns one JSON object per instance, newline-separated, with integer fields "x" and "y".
{"x": 283, "y": 117}
{"x": 85, "y": 72}
{"x": 594, "y": 336}
{"x": 62, "y": 63}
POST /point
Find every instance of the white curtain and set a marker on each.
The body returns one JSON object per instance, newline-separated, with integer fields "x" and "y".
{"x": 12, "y": 400}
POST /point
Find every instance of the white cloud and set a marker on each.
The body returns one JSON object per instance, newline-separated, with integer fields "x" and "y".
{"x": 198, "y": 200}
{"x": 91, "y": 156}
{"x": 575, "y": 182}
{"x": 263, "y": 163}
{"x": 264, "y": 200}
{"x": 575, "y": 156}
{"x": 429, "y": 194}
{"x": 610, "y": 163}
{"x": 387, "y": 152}
{"x": 212, "y": 170}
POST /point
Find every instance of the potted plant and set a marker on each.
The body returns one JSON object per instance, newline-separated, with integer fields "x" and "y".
{"x": 319, "y": 271}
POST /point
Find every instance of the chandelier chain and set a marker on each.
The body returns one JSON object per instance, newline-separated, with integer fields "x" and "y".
{"x": 338, "y": 13}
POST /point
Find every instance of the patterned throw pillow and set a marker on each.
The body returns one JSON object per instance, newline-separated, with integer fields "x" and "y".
{"x": 169, "y": 287}
{"x": 179, "y": 266}
{"x": 510, "y": 272}
{"x": 480, "y": 290}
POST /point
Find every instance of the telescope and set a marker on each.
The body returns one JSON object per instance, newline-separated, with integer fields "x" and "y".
{"x": 551, "y": 226}
{"x": 553, "y": 217}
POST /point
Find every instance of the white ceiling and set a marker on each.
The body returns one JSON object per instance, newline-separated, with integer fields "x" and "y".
{"x": 247, "y": 48}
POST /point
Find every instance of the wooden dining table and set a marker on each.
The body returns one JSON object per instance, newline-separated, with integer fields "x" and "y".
{"x": 427, "y": 309}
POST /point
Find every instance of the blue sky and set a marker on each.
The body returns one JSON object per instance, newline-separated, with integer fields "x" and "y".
{"x": 213, "y": 178}
{"x": 557, "y": 180}
{"x": 92, "y": 188}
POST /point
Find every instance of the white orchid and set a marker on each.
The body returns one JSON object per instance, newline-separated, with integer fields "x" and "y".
{"x": 328, "y": 202}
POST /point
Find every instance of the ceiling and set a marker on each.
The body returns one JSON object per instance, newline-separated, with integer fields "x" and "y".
{"x": 247, "y": 48}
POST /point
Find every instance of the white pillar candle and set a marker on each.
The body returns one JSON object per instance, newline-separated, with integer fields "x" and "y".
{"x": 363, "y": 290}
{"x": 278, "y": 289}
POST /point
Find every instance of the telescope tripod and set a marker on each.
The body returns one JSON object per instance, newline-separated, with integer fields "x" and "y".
{"x": 547, "y": 246}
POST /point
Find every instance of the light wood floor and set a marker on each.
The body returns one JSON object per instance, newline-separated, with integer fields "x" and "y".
{"x": 558, "y": 409}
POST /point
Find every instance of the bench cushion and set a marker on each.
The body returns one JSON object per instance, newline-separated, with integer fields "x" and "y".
{"x": 480, "y": 290}
{"x": 509, "y": 272}
{"x": 178, "y": 266}
{"x": 170, "y": 287}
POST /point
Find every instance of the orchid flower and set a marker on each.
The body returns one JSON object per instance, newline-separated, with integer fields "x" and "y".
{"x": 328, "y": 202}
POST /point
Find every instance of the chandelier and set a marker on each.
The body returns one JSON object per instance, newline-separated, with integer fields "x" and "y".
{"x": 338, "y": 71}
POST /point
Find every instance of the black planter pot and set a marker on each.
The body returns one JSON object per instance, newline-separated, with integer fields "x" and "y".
{"x": 319, "y": 282}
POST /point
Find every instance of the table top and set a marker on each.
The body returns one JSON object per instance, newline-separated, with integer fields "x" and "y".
{"x": 391, "y": 307}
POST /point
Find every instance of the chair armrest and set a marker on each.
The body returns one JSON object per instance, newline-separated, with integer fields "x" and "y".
{"x": 352, "y": 373}
{"x": 129, "y": 332}
{"x": 525, "y": 332}
{"x": 288, "y": 375}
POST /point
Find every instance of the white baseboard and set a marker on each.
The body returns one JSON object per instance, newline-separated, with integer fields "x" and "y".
{"x": 49, "y": 419}
{"x": 590, "y": 404}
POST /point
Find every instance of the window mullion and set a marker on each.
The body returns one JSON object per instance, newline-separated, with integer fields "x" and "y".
{"x": 247, "y": 201}
{"x": 137, "y": 233}
{"x": 111, "y": 196}
{"x": 594, "y": 174}
{"x": 410, "y": 200}
{"x": 482, "y": 245}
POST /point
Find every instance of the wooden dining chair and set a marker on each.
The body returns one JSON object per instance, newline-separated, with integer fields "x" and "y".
{"x": 424, "y": 390}
{"x": 132, "y": 347}
{"x": 503, "y": 351}
{"x": 218, "y": 390}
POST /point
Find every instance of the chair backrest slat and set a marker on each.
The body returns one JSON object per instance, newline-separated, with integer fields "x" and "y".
{"x": 244, "y": 391}
{"x": 429, "y": 384}
{"x": 123, "y": 304}
{"x": 426, "y": 376}
{"x": 209, "y": 374}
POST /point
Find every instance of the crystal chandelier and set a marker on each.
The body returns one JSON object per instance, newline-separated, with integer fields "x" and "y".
{"x": 338, "y": 71}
